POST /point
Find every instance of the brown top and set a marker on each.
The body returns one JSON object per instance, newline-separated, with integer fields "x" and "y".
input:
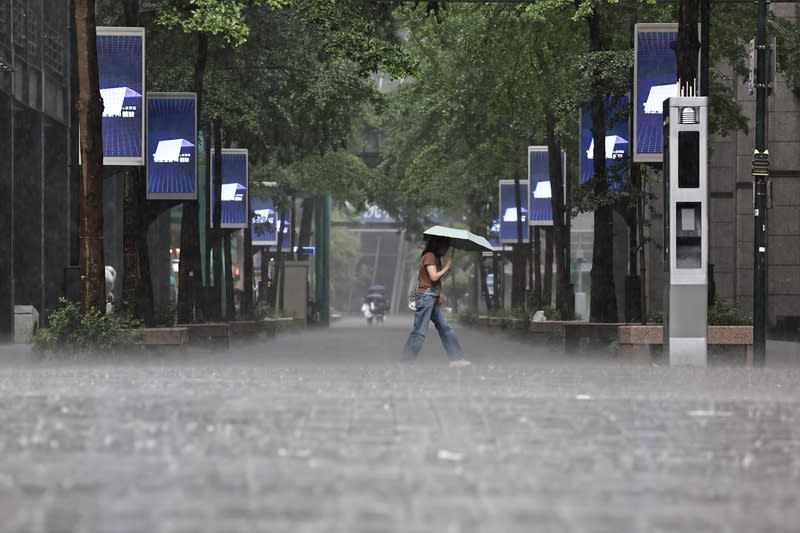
{"x": 425, "y": 282}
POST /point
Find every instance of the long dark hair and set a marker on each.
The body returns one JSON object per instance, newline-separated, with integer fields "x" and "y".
{"x": 435, "y": 244}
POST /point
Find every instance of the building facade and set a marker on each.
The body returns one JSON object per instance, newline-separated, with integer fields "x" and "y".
{"x": 38, "y": 179}
{"x": 731, "y": 213}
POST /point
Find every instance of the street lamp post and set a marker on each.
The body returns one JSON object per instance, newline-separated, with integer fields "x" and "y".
{"x": 7, "y": 311}
{"x": 760, "y": 176}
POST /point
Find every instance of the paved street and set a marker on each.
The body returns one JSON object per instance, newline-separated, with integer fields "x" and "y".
{"x": 323, "y": 431}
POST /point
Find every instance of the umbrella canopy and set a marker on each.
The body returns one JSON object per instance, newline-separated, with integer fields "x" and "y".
{"x": 460, "y": 238}
{"x": 376, "y": 288}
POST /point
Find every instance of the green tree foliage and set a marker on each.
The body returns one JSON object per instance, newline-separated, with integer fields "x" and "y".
{"x": 489, "y": 74}
{"x": 475, "y": 100}
{"x": 339, "y": 173}
{"x": 224, "y": 18}
{"x": 290, "y": 89}
{"x": 787, "y": 34}
{"x": 286, "y": 78}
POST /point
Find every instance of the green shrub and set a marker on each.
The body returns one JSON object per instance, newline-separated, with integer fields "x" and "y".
{"x": 520, "y": 313}
{"x": 69, "y": 331}
{"x": 551, "y": 313}
{"x": 264, "y": 311}
{"x": 165, "y": 315}
{"x": 723, "y": 313}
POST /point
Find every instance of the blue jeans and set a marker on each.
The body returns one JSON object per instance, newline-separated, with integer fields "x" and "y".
{"x": 428, "y": 310}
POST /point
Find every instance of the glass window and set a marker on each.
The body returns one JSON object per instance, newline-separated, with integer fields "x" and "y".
{"x": 34, "y": 88}
{"x": 20, "y": 74}
{"x": 689, "y": 159}
{"x": 54, "y": 98}
{"x": 5, "y": 73}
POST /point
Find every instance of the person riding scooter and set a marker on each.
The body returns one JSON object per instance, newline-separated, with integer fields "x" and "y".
{"x": 378, "y": 305}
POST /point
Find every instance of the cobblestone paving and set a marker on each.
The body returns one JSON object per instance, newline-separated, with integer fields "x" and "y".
{"x": 325, "y": 432}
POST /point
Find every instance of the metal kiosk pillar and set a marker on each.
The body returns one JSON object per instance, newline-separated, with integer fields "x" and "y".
{"x": 686, "y": 230}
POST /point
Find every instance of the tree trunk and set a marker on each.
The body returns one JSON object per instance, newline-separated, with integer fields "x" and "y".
{"x": 484, "y": 271}
{"x": 687, "y": 46}
{"x": 547, "y": 286}
{"x": 189, "y": 264}
{"x": 90, "y": 109}
{"x": 537, "y": 267}
{"x": 275, "y": 296}
{"x": 216, "y": 224}
{"x": 144, "y": 286}
{"x": 246, "y": 304}
{"x": 603, "y": 304}
{"x": 642, "y": 260}
{"x": 279, "y": 278}
{"x": 564, "y": 295}
{"x": 130, "y": 241}
{"x": 264, "y": 286}
{"x": 641, "y": 203}
{"x": 189, "y": 270}
{"x": 518, "y": 254}
{"x": 292, "y": 222}
{"x": 230, "y": 307}
{"x": 531, "y": 272}
{"x": 499, "y": 284}
{"x": 304, "y": 237}
{"x": 130, "y": 11}
{"x": 131, "y": 210}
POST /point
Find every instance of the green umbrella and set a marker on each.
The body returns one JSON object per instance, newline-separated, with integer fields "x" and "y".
{"x": 460, "y": 238}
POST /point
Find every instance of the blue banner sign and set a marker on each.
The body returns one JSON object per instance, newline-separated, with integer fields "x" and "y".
{"x": 171, "y": 146}
{"x": 265, "y": 224}
{"x": 540, "y": 205}
{"x": 617, "y": 147}
{"x": 508, "y": 211}
{"x": 234, "y": 188}
{"x": 120, "y": 63}
{"x": 655, "y": 80}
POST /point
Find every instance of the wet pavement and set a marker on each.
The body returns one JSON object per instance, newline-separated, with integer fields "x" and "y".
{"x": 324, "y": 431}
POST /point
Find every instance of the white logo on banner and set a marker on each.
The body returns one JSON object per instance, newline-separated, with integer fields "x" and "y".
{"x": 542, "y": 190}
{"x": 611, "y": 147}
{"x": 170, "y": 151}
{"x": 654, "y": 105}
{"x": 114, "y": 102}
{"x": 232, "y": 192}
{"x": 510, "y": 214}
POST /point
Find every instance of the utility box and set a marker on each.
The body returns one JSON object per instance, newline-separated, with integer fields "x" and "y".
{"x": 26, "y": 321}
{"x": 686, "y": 230}
{"x": 295, "y": 290}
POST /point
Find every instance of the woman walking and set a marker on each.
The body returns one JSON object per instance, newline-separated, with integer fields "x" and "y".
{"x": 429, "y": 300}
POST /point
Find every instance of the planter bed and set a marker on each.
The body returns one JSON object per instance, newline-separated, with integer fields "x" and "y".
{"x": 638, "y": 341}
{"x": 209, "y": 334}
{"x": 576, "y": 335}
{"x": 244, "y": 330}
{"x": 159, "y": 338}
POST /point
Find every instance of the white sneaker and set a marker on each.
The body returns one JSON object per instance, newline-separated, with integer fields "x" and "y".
{"x": 458, "y": 363}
